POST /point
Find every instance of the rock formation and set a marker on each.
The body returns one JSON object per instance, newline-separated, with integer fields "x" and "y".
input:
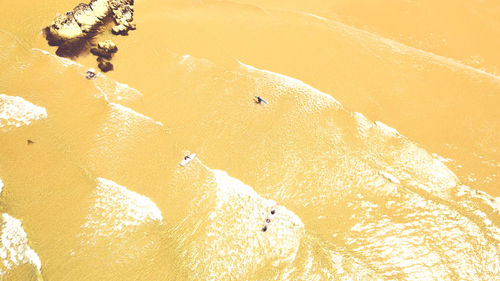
{"x": 73, "y": 30}
{"x": 84, "y": 20}
{"x": 104, "y": 49}
{"x": 104, "y": 64}
{"x": 104, "y": 52}
{"x": 123, "y": 16}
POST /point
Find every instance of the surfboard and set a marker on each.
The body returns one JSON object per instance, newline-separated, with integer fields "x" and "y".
{"x": 187, "y": 159}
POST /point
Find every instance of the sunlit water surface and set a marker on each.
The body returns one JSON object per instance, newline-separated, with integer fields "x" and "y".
{"x": 376, "y": 157}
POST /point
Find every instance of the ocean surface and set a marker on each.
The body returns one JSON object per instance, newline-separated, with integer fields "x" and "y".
{"x": 376, "y": 157}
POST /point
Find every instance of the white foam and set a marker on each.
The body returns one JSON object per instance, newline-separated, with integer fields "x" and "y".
{"x": 64, "y": 61}
{"x": 390, "y": 177}
{"x": 403, "y": 49}
{"x": 128, "y": 111}
{"x": 362, "y": 120}
{"x": 228, "y": 185}
{"x": 496, "y": 203}
{"x": 441, "y": 174}
{"x": 387, "y": 129}
{"x": 14, "y": 248}
{"x": 122, "y": 123}
{"x": 187, "y": 60}
{"x": 441, "y": 158}
{"x": 232, "y": 244}
{"x": 484, "y": 197}
{"x": 187, "y": 159}
{"x": 120, "y": 87}
{"x": 192, "y": 63}
{"x": 110, "y": 89}
{"x": 41, "y": 51}
{"x": 321, "y": 98}
{"x": 114, "y": 208}
{"x": 17, "y": 112}
{"x": 429, "y": 233}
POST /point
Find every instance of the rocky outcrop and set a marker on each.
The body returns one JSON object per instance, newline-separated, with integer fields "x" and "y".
{"x": 123, "y": 15}
{"x": 63, "y": 29}
{"x": 104, "y": 52}
{"x": 72, "y": 30}
{"x": 104, "y": 64}
{"x": 104, "y": 49}
{"x": 85, "y": 17}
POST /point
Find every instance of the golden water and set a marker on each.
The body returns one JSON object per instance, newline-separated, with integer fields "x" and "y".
{"x": 101, "y": 195}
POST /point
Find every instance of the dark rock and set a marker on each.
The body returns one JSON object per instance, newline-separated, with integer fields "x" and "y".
{"x": 104, "y": 49}
{"x": 73, "y": 30}
{"x": 100, "y": 53}
{"x": 105, "y": 65}
{"x": 84, "y": 20}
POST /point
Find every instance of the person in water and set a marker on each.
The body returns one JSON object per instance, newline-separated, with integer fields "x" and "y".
{"x": 269, "y": 218}
{"x": 260, "y": 100}
{"x": 90, "y": 74}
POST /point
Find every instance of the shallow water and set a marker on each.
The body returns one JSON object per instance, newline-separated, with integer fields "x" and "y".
{"x": 378, "y": 155}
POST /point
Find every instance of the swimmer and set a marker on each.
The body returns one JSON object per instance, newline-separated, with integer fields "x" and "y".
{"x": 273, "y": 208}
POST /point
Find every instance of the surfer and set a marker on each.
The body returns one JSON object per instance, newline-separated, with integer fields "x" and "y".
{"x": 260, "y": 100}
{"x": 187, "y": 159}
{"x": 90, "y": 74}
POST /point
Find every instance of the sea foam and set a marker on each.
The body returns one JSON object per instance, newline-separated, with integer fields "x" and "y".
{"x": 114, "y": 208}
{"x": 321, "y": 99}
{"x": 14, "y": 248}
{"x": 109, "y": 89}
{"x": 230, "y": 242}
{"x": 16, "y": 112}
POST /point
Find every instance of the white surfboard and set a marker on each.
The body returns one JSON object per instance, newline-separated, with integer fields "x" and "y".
{"x": 187, "y": 159}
